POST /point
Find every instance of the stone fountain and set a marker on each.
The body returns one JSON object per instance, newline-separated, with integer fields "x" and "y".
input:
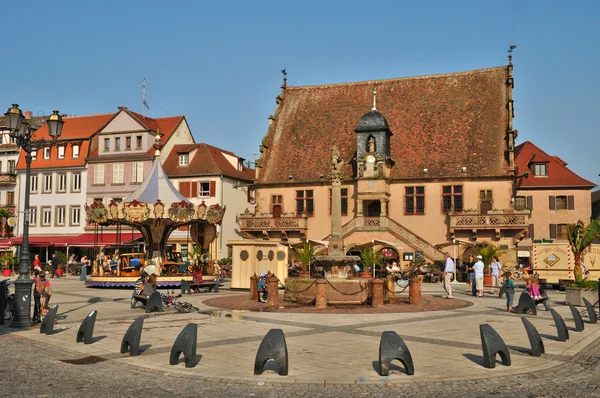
{"x": 335, "y": 264}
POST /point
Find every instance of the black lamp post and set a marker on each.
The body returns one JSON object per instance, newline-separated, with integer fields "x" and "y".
{"x": 23, "y": 136}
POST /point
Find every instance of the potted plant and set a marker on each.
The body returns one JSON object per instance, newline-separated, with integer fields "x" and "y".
{"x": 371, "y": 260}
{"x": 305, "y": 255}
{"x": 580, "y": 239}
{"x": 6, "y": 266}
{"x": 488, "y": 251}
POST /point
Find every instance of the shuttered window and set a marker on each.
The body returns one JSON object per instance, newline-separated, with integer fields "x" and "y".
{"x": 531, "y": 231}
{"x": 137, "y": 172}
{"x": 118, "y": 173}
{"x": 189, "y": 189}
{"x": 99, "y": 174}
{"x": 562, "y": 202}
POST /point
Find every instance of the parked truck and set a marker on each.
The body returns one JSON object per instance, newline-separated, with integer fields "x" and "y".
{"x": 554, "y": 262}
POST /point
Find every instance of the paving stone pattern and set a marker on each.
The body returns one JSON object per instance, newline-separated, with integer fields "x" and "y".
{"x": 322, "y": 347}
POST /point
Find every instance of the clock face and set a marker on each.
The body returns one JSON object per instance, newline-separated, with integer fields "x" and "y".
{"x": 371, "y": 159}
{"x": 371, "y": 184}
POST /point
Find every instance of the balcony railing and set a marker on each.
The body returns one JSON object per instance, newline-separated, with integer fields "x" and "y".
{"x": 274, "y": 224}
{"x": 8, "y": 178}
{"x": 490, "y": 221}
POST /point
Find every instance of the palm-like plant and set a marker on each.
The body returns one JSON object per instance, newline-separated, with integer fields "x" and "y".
{"x": 580, "y": 238}
{"x": 305, "y": 254}
{"x": 370, "y": 258}
{"x": 487, "y": 252}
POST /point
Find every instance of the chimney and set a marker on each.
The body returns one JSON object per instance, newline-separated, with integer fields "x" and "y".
{"x": 28, "y": 115}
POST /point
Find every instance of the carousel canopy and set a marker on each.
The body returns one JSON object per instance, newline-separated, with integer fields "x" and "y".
{"x": 156, "y": 186}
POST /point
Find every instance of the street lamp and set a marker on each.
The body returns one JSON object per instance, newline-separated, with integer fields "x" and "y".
{"x": 23, "y": 136}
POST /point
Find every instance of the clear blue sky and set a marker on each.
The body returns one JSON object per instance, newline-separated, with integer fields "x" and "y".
{"x": 218, "y": 62}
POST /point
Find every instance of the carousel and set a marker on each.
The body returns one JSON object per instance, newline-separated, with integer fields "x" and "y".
{"x": 155, "y": 209}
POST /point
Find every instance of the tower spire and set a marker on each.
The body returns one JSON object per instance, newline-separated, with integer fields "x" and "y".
{"x": 374, "y": 100}
{"x": 284, "y": 73}
{"x": 511, "y": 47}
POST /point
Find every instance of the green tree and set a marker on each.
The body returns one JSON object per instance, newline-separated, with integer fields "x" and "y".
{"x": 580, "y": 238}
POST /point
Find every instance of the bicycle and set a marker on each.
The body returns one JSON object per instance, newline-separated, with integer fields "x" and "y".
{"x": 179, "y": 306}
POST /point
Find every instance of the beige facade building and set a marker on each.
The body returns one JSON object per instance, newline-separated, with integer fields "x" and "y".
{"x": 206, "y": 174}
{"x": 555, "y": 195}
{"x": 430, "y": 168}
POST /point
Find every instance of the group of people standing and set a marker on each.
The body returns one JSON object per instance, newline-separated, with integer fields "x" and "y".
{"x": 475, "y": 272}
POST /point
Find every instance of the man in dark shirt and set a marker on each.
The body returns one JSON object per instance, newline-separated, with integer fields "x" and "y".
{"x": 54, "y": 262}
{"x": 471, "y": 274}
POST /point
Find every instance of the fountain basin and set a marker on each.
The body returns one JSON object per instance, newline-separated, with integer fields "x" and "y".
{"x": 339, "y": 291}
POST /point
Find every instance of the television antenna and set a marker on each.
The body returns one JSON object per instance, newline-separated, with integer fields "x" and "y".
{"x": 144, "y": 102}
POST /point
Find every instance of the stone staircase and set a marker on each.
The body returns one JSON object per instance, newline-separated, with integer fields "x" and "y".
{"x": 399, "y": 231}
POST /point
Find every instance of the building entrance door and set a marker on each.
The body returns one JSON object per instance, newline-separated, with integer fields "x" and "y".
{"x": 484, "y": 207}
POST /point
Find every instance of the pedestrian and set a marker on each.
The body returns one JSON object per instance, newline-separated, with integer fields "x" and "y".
{"x": 83, "y": 270}
{"x": 54, "y": 262}
{"x": 217, "y": 271}
{"x": 37, "y": 264}
{"x": 262, "y": 288}
{"x": 449, "y": 271}
{"x": 471, "y": 274}
{"x": 496, "y": 270}
{"x": 478, "y": 270}
{"x": 41, "y": 296}
{"x": 533, "y": 289}
{"x": 509, "y": 288}
{"x": 139, "y": 284}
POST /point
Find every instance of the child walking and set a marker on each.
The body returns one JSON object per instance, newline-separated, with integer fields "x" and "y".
{"x": 509, "y": 287}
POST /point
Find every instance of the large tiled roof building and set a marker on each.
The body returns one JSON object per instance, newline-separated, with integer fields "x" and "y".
{"x": 426, "y": 161}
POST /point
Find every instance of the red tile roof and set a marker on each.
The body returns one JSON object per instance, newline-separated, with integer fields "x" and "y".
{"x": 84, "y": 127}
{"x": 439, "y": 122}
{"x": 75, "y": 128}
{"x": 207, "y": 161}
{"x": 526, "y": 154}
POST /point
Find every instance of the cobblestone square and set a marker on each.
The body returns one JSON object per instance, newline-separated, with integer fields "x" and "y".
{"x": 333, "y": 355}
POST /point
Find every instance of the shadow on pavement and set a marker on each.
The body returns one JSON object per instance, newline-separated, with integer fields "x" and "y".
{"x": 549, "y": 337}
{"x": 521, "y": 350}
{"x": 478, "y": 359}
{"x": 98, "y": 338}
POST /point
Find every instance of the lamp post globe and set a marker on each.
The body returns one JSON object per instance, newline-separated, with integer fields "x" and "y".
{"x": 14, "y": 118}
{"x": 55, "y": 124}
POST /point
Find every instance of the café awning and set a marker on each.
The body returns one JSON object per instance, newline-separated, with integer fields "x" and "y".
{"x": 103, "y": 239}
{"x": 83, "y": 240}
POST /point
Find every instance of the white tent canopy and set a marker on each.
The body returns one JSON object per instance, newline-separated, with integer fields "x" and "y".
{"x": 156, "y": 186}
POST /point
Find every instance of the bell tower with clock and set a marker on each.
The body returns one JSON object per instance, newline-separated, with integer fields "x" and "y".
{"x": 373, "y": 162}
{"x": 372, "y": 144}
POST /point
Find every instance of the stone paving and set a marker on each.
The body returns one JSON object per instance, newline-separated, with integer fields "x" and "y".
{"x": 329, "y": 355}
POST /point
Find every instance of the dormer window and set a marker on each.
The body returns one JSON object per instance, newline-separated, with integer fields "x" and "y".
{"x": 46, "y": 153}
{"x": 540, "y": 170}
{"x": 61, "y": 152}
{"x": 75, "y": 151}
{"x": 183, "y": 159}
{"x": 107, "y": 144}
{"x": 240, "y": 165}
